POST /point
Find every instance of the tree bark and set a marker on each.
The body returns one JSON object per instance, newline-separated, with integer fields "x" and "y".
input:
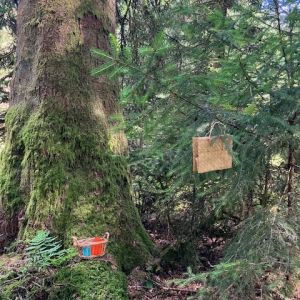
{"x": 291, "y": 179}
{"x": 61, "y": 168}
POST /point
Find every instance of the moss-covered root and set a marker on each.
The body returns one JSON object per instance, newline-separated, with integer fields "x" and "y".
{"x": 89, "y": 280}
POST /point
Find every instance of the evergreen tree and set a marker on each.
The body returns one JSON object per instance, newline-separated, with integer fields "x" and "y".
{"x": 237, "y": 68}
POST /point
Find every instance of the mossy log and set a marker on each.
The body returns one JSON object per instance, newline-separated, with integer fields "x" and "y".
{"x": 58, "y": 170}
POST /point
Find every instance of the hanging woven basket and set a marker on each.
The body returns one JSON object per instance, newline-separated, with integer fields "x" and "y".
{"x": 91, "y": 247}
{"x": 212, "y": 153}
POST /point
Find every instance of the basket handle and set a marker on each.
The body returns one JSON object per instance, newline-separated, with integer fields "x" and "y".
{"x": 212, "y": 127}
{"x": 106, "y": 235}
{"x": 75, "y": 241}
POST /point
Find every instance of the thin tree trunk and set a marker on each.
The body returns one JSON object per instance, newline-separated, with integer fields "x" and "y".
{"x": 291, "y": 168}
{"x": 265, "y": 196}
{"x": 291, "y": 178}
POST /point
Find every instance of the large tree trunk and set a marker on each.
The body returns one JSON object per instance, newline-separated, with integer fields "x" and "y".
{"x": 58, "y": 170}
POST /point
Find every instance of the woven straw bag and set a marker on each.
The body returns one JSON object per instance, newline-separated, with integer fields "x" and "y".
{"x": 212, "y": 153}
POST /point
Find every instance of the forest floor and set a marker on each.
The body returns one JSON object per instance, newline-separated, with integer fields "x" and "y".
{"x": 145, "y": 286}
{"x": 159, "y": 284}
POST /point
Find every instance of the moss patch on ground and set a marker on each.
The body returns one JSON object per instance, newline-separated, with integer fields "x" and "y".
{"x": 85, "y": 280}
{"x": 89, "y": 280}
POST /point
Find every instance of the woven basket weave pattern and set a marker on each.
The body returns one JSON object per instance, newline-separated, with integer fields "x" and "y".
{"x": 91, "y": 247}
{"x": 212, "y": 153}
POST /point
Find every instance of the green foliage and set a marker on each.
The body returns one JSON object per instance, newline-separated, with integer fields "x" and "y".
{"x": 8, "y": 14}
{"x": 238, "y": 66}
{"x": 45, "y": 251}
{"x": 267, "y": 236}
{"x": 259, "y": 261}
{"x": 101, "y": 54}
{"x": 45, "y": 274}
{"x": 215, "y": 68}
{"x": 30, "y": 276}
{"x": 8, "y": 27}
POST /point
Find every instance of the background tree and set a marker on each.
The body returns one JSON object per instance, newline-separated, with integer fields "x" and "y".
{"x": 7, "y": 49}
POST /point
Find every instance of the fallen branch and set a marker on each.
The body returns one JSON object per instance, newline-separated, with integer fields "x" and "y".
{"x": 169, "y": 288}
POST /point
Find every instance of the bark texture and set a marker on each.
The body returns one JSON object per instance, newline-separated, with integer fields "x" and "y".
{"x": 61, "y": 167}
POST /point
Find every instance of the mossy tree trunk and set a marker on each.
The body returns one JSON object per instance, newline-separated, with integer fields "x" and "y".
{"x": 61, "y": 167}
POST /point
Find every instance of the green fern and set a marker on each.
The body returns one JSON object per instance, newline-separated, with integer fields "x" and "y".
{"x": 45, "y": 251}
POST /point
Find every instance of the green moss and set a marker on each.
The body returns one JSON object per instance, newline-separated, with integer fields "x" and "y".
{"x": 82, "y": 280}
{"x": 8, "y": 292}
{"x": 89, "y": 7}
{"x": 11, "y": 280}
{"x": 72, "y": 78}
{"x": 60, "y": 148}
{"x": 89, "y": 280}
{"x": 57, "y": 164}
{"x": 11, "y": 158}
{"x": 74, "y": 185}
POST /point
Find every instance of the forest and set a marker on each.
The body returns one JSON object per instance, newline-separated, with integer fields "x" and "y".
{"x": 149, "y": 149}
